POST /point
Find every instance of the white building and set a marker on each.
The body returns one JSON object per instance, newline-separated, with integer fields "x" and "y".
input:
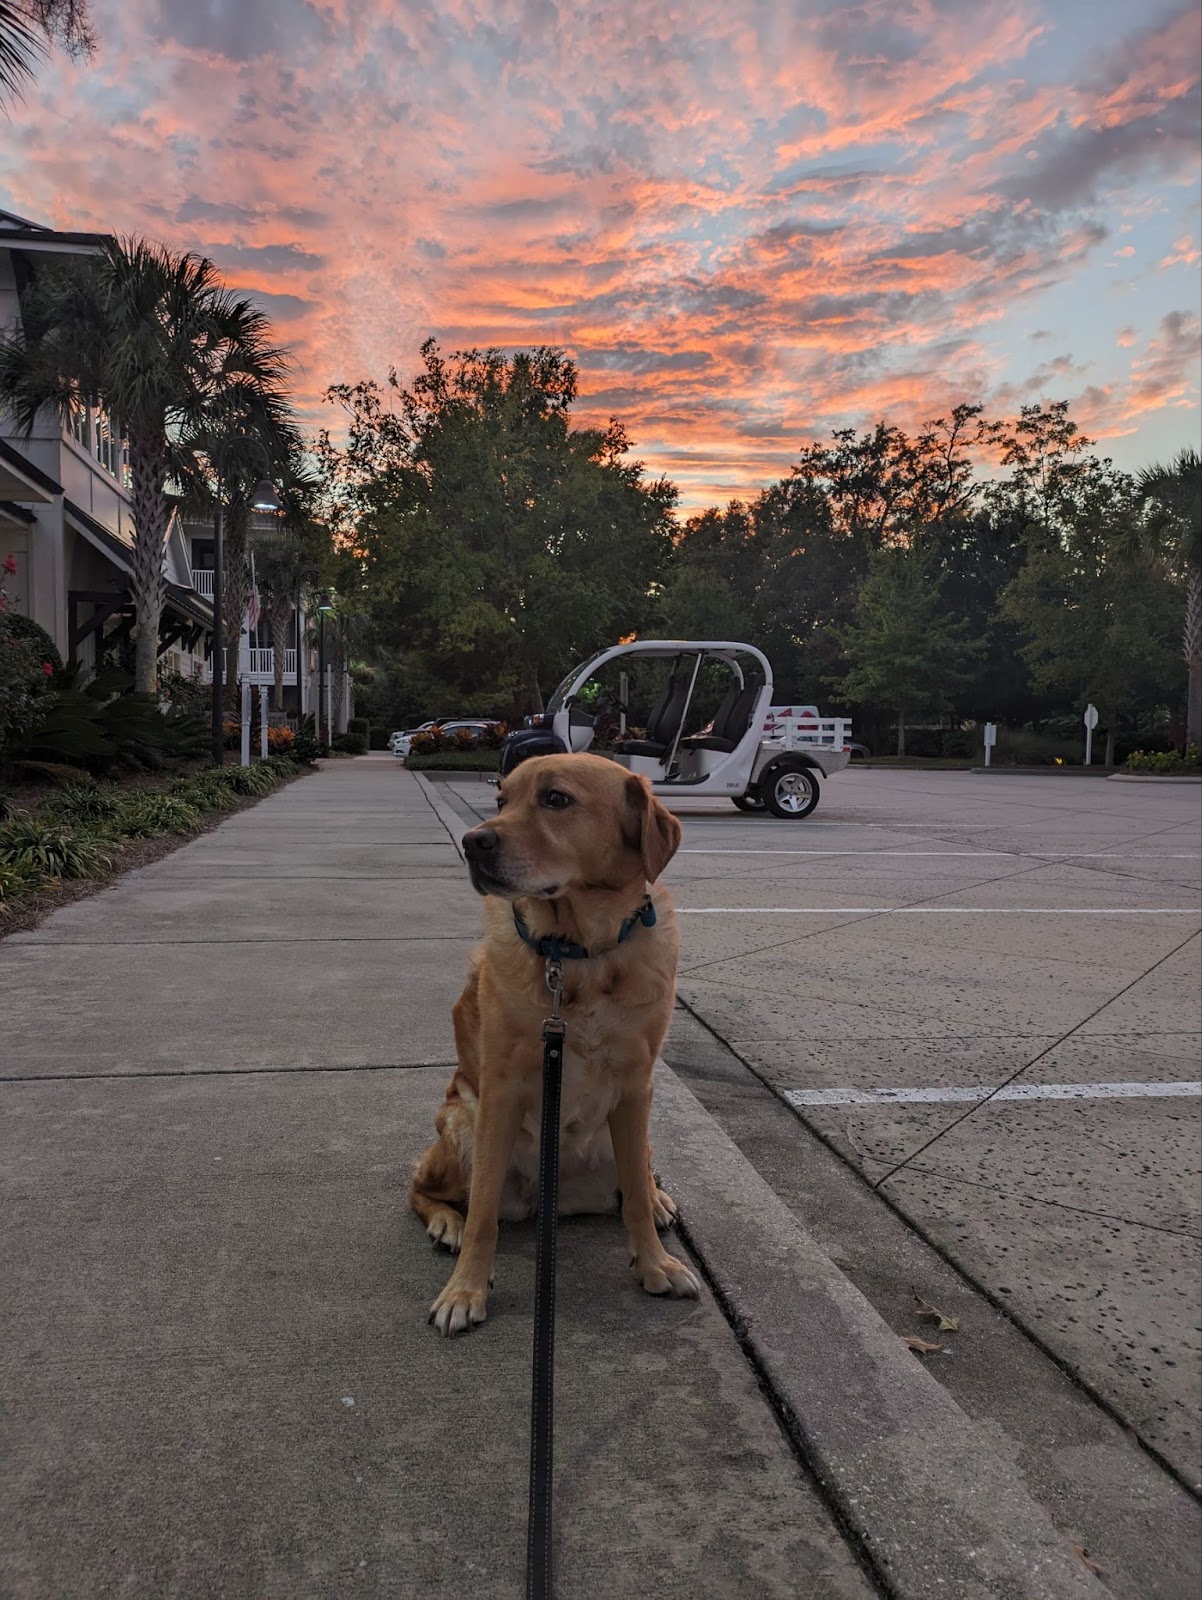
{"x": 65, "y": 507}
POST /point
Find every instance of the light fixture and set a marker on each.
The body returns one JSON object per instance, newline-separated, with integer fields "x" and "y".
{"x": 266, "y": 497}
{"x": 325, "y": 603}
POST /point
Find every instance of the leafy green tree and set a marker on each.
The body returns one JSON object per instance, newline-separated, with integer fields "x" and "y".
{"x": 494, "y": 536}
{"x": 906, "y": 651}
{"x": 154, "y": 337}
{"x": 1172, "y": 494}
{"x": 1096, "y": 622}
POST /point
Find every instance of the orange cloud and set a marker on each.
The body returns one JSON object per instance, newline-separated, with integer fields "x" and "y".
{"x": 747, "y": 229}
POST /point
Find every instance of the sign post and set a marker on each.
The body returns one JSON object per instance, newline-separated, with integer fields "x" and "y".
{"x": 990, "y": 740}
{"x": 263, "y": 720}
{"x": 1091, "y": 722}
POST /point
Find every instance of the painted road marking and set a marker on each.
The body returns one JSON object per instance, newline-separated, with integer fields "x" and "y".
{"x": 1014, "y": 1091}
{"x": 937, "y": 911}
{"x": 1012, "y": 855}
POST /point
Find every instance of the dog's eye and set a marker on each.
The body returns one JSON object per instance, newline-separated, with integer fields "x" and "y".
{"x": 500, "y": 802}
{"x": 557, "y": 800}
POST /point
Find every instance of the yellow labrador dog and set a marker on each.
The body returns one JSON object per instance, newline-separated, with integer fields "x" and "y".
{"x": 576, "y": 844}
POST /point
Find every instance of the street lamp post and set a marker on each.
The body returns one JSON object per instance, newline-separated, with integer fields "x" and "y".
{"x": 264, "y": 498}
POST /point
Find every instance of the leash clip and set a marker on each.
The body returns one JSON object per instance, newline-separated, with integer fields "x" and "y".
{"x": 554, "y": 1022}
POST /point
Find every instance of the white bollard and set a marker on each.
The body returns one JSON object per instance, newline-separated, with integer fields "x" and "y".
{"x": 263, "y": 722}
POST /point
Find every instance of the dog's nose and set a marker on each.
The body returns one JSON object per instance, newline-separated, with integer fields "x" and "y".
{"x": 481, "y": 841}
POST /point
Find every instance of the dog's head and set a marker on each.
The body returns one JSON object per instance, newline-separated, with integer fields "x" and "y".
{"x": 569, "y": 823}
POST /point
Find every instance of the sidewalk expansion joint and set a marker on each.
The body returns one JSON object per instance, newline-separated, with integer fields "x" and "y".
{"x": 127, "y": 1076}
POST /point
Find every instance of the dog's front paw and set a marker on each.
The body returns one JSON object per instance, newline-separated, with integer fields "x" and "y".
{"x": 663, "y": 1274}
{"x": 664, "y": 1208}
{"x": 458, "y": 1308}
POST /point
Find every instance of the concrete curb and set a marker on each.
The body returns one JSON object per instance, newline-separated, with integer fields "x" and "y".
{"x": 452, "y": 823}
{"x": 935, "y": 1507}
{"x": 1154, "y": 777}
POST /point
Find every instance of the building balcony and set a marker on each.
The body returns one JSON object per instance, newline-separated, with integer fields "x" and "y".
{"x": 202, "y": 581}
{"x": 258, "y": 667}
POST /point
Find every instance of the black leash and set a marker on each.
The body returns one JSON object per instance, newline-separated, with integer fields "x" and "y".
{"x": 538, "y": 1531}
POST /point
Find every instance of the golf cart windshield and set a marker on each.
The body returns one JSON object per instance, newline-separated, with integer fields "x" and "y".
{"x": 559, "y": 700}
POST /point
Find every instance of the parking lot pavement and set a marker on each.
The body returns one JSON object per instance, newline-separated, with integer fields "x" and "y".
{"x": 926, "y": 947}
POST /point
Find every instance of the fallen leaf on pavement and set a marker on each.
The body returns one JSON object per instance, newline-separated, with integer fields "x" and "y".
{"x": 1083, "y": 1554}
{"x": 921, "y": 1347}
{"x": 925, "y": 1309}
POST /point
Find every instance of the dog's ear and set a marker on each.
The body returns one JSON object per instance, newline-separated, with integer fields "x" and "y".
{"x": 650, "y": 827}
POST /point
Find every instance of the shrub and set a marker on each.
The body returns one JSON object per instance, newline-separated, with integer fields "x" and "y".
{"x": 205, "y": 793}
{"x": 283, "y": 766}
{"x": 280, "y": 740}
{"x": 44, "y": 647}
{"x": 306, "y": 747}
{"x": 14, "y": 882}
{"x": 8, "y": 807}
{"x": 477, "y": 760}
{"x": 33, "y": 846}
{"x": 249, "y": 780}
{"x": 359, "y": 725}
{"x": 351, "y": 744}
{"x": 1166, "y": 762}
{"x": 84, "y": 802}
{"x": 148, "y": 814}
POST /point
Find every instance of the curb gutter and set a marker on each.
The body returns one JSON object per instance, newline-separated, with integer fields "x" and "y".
{"x": 452, "y": 823}
{"x": 934, "y": 1505}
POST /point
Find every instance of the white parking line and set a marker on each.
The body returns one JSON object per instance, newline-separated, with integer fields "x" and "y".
{"x": 1013, "y": 855}
{"x": 937, "y": 911}
{"x": 1014, "y": 1091}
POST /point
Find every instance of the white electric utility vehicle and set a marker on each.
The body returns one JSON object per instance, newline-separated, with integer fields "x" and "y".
{"x": 731, "y": 755}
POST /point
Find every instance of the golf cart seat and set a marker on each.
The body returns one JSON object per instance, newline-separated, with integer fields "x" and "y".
{"x": 731, "y": 720}
{"x": 661, "y": 724}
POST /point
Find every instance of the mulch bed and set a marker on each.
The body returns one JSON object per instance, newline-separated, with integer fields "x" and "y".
{"x": 125, "y": 857}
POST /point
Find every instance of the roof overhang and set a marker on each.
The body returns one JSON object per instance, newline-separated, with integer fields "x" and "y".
{"x": 20, "y": 480}
{"x": 107, "y": 542}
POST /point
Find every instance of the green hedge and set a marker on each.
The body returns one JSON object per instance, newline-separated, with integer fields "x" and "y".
{"x": 1166, "y": 763}
{"x": 455, "y": 761}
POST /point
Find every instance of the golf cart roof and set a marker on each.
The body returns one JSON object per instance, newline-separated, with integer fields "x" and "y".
{"x": 724, "y": 649}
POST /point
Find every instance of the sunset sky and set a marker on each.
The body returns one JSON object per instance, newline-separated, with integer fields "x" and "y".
{"x": 749, "y": 223}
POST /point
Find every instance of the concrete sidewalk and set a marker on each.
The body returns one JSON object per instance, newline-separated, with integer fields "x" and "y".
{"x": 217, "y": 1374}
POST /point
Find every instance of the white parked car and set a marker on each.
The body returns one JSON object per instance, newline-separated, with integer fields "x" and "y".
{"x": 448, "y": 725}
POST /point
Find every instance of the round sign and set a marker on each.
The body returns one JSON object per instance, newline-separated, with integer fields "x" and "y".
{"x": 1091, "y": 717}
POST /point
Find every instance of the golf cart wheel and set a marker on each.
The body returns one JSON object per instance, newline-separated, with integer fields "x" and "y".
{"x": 790, "y": 792}
{"x": 748, "y": 802}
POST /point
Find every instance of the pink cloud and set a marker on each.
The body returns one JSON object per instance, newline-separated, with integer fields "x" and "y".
{"x": 747, "y": 229}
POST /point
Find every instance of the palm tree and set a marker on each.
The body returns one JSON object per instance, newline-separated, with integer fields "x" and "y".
{"x": 1173, "y": 493}
{"x": 286, "y": 565}
{"x": 245, "y": 430}
{"x": 158, "y": 340}
{"x": 27, "y": 27}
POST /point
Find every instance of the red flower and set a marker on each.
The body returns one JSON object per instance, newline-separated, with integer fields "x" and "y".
{"x": 48, "y": 669}
{"x": 10, "y": 565}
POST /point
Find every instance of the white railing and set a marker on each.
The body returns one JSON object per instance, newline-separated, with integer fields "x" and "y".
{"x": 202, "y": 582}
{"x": 834, "y": 733}
{"x": 259, "y": 666}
